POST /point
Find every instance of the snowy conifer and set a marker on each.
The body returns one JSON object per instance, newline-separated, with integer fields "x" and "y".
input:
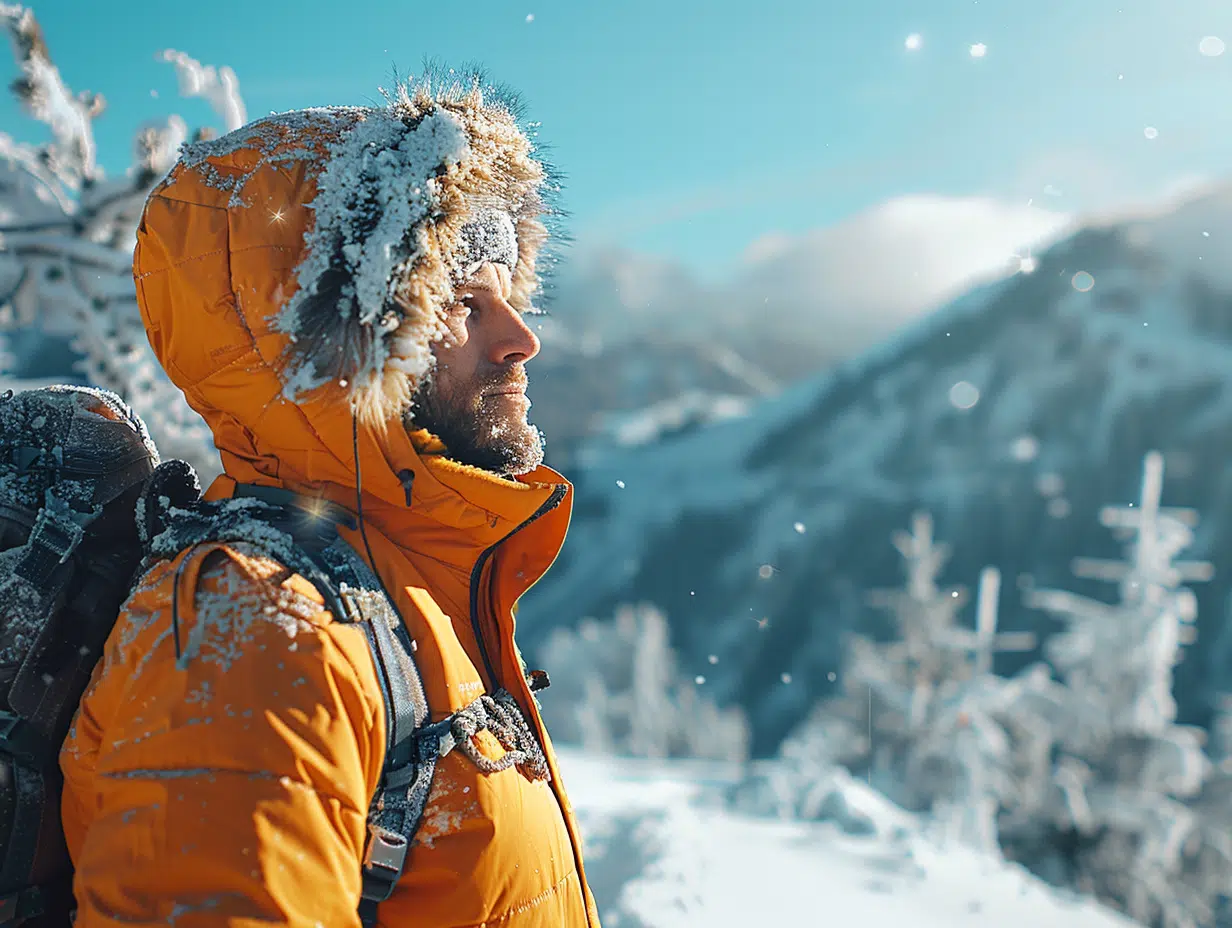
{"x": 67, "y": 233}
{"x": 616, "y": 688}
{"x": 1120, "y": 817}
{"x": 923, "y": 717}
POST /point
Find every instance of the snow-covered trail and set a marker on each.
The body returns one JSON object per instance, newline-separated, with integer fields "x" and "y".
{"x": 661, "y": 855}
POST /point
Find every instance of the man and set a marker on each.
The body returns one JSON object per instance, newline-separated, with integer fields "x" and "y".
{"x": 340, "y": 294}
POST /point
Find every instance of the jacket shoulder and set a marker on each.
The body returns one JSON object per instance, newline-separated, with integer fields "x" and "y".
{"x": 232, "y": 725}
{"x": 234, "y": 606}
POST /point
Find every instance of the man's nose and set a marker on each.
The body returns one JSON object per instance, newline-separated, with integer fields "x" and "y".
{"x": 516, "y": 343}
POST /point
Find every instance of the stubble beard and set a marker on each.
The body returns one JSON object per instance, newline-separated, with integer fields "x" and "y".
{"x": 476, "y": 429}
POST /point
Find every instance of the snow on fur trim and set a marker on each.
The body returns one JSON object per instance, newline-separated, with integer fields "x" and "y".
{"x": 408, "y": 198}
{"x": 376, "y": 188}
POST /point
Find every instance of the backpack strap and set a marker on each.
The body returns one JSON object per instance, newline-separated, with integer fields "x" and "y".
{"x": 41, "y": 573}
{"x": 412, "y": 744}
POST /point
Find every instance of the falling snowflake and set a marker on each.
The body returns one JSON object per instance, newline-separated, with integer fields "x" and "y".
{"x": 1151, "y": 132}
{"x": 1212, "y": 46}
{"x": 530, "y": 17}
{"x": 1082, "y": 281}
{"x": 714, "y": 658}
{"x": 620, "y": 483}
{"x": 699, "y": 679}
{"x": 914, "y": 41}
{"x": 1050, "y": 484}
{"x": 831, "y": 676}
{"x": 979, "y": 50}
{"x": 1025, "y": 448}
{"x": 765, "y": 571}
{"x": 786, "y": 677}
{"x": 1058, "y": 507}
{"x": 799, "y": 527}
{"x": 1027, "y": 264}
{"x": 964, "y": 395}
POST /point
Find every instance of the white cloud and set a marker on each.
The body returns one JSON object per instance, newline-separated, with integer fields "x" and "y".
{"x": 903, "y": 256}
{"x": 841, "y": 288}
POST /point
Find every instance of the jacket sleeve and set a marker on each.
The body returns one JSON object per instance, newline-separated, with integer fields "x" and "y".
{"x": 228, "y": 785}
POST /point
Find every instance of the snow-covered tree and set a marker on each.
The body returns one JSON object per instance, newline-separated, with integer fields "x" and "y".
{"x": 922, "y": 717}
{"x": 616, "y": 689}
{"x": 1120, "y": 816}
{"x": 67, "y": 232}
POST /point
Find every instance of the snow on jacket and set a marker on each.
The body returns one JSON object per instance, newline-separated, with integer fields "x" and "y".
{"x": 230, "y": 786}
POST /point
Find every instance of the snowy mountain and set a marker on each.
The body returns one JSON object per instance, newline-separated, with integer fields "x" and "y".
{"x": 1012, "y": 415}
{"x": 662, "y": 853}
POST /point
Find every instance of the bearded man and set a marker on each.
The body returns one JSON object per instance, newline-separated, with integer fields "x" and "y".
{"x": 342, "y": 295}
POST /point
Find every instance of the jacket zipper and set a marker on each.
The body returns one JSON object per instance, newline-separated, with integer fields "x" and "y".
{"x": 477, "y": 572}
{"x": 551, "y": 503}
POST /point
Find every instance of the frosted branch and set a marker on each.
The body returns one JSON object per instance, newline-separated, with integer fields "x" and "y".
{"x": 47, "y": 98}
{"x": 218, "y": 86}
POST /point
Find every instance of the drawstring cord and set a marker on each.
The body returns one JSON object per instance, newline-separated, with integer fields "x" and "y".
{"x": 500, "y": 715}
{"x": 359, "y": 504}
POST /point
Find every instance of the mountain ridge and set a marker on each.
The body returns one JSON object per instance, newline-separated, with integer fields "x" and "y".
{"x": 1013, "y": 414}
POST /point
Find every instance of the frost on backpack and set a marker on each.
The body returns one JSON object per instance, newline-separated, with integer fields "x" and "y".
{"x": 85, "y": 505}
{"x": 73, "y": 462}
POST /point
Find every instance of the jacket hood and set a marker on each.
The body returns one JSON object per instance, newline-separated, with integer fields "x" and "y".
{"x": 293, "y": 274}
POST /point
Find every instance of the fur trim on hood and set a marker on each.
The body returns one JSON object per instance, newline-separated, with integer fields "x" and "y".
{"x": 399, "y": 192}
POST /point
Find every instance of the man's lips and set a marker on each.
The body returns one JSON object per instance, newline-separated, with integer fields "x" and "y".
{"x": 511, "y": 389}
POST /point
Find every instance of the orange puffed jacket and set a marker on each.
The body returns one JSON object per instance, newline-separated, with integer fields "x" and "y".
{"x": 231, "y": 786}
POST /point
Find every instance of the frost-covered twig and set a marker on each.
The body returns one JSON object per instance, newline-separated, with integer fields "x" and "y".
{"x": 218, "y": 86}
{"x": 49, "y": 100}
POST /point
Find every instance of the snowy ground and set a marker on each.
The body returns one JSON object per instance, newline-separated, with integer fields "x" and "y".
{"x": 661, "y": 854}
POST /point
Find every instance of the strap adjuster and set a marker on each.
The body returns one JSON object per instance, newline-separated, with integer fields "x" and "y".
{"x": 57, "y": 531}
{"x": 58, "y": 535}
{"x": 384, "y": 854}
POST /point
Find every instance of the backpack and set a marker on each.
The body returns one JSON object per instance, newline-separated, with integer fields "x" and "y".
{"x": 86, "y": 508}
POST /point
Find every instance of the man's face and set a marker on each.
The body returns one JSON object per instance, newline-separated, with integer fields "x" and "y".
{"x": 475, "y": 399}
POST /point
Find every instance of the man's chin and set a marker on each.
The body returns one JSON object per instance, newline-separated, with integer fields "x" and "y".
{"x": 494, "y": 435}
{"x": 520, "y": 456}
{"x": 506, "y": 450}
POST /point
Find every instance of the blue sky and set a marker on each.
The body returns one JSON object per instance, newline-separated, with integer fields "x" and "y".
{"x": 691, "y": 129}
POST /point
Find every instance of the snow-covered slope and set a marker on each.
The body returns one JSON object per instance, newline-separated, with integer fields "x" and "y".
{"x": 661, "y": 854}
{"x": 1012, "y": 415}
